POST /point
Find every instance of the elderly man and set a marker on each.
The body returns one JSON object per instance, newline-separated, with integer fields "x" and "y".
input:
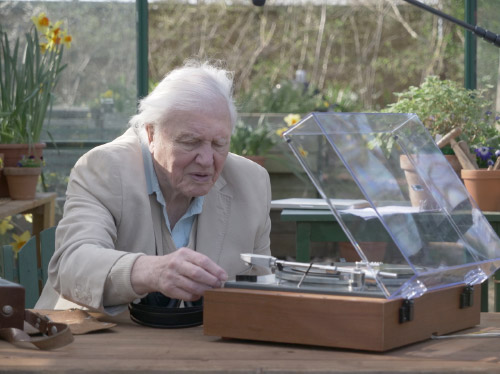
{"x": 164, "y": 208}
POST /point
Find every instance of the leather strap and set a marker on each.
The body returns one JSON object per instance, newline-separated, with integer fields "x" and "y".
{"x": 55, "y": 335}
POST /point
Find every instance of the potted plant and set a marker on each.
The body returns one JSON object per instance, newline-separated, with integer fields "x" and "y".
{"x": 483, "y": 184}
{"x": 22, "y": 179}
{"x": 252, "y": 142}
{"x": 443, "y": 105}
{"x": 28, "y": 76}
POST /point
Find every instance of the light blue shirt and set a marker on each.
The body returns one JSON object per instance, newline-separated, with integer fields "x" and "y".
{"x": 182, "y": 229}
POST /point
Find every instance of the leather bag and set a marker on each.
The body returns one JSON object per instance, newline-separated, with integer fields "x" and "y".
{"x": 13, "y": 316}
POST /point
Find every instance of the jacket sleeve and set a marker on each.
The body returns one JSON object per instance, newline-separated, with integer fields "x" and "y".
{"x": 86, "y": 235}
{"x": 262, "y": 238}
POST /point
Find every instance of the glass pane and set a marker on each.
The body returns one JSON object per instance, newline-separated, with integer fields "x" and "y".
{"x": 96, "y": 94}
{"x": 488, "y": 55}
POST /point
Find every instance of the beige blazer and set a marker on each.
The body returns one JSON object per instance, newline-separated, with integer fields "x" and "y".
{"x": 109, "y": 214}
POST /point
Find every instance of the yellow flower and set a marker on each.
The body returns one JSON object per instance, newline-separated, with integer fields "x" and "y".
{"x": 280, "y": 131}
{"x": 107, "y": 95}
{"x": 292, "y": 119}
{"x": 5, "y": 225}
{"x": 20, "y": 240}
{"x": 41, "y": 23}
{"x": 326, "y": 104}
{"x": 67, "y": 39}
{"x": 43, "y": 47}
{"x": 28, "y": 217}
{"x": 56, "y": 29}
{"x": 303, "y": 152}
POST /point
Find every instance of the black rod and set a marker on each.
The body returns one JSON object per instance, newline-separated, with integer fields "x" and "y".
{"x": 479, "y": 31}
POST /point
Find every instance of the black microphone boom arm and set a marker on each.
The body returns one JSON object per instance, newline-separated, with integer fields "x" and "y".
{"x": 479, "y": 31}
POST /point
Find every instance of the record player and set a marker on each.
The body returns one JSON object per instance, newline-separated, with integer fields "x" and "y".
{"x": 437, "y": 245}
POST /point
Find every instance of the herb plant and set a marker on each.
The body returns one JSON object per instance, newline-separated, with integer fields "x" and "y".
{"x": 443, "y": 105}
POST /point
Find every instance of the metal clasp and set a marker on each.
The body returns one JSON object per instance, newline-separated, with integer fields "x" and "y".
{"x": 406, "y": 312}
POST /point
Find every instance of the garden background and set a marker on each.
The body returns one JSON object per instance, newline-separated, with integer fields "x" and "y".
{"x": 354, "y": 55}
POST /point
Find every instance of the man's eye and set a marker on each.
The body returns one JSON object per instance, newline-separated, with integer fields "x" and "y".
{"x": 189, "y": 143}
{"x": 221, "y": 143}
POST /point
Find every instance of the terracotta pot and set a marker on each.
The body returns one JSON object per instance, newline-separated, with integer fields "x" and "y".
{"x": 455, "y": 164}
{"x": 12, "y": 154}
{"x": 419, "y": 194}
{"x": 484, "y": 187}
{"x": 417, "y": 190}
{"x": 22, "y": 182}
{"x": 257, "y": 159}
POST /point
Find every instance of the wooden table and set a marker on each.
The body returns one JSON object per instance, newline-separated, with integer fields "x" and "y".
{"x": 42, "y": 208}
{"x": 131, "y": 348}
{"x": 319, "y": 225}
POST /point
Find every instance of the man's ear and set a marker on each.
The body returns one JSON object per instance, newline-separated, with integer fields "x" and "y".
{"x": 150, "y": 129}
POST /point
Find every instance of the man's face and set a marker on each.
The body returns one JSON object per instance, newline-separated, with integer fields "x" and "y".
{"x": 190, "y": 150}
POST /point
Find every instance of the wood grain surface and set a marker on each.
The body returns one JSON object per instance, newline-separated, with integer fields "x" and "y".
{"x": 130, "y": 348}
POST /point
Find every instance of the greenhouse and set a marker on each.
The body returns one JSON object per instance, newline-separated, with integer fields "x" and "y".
{"x": 163, "y": 151}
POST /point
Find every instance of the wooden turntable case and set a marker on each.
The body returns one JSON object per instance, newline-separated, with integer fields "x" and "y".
{"x": 352, "y": 322}
{"x": 441, "y": 236}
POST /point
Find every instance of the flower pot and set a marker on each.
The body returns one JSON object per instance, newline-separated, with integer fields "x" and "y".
{"x": 22, "y": 182}
{"x": 12, "y": 154}
{"x": 484, "y": 187}
{"x": 418, "y": 191}
{"x": 455, "y": 164}
{"x": 419, "y": 194}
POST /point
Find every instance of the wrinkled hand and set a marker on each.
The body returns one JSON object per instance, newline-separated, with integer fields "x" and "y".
{"x": 183, "y": 274}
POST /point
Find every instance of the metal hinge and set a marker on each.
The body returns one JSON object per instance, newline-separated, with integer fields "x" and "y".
{"x": 467, "y": 297}
{"x": 406, "y": 311}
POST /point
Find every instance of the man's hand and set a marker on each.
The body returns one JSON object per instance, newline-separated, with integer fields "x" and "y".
{"x": 183, "y": 274}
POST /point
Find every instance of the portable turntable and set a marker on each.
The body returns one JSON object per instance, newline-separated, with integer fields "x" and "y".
{"x": 437, "y": 245}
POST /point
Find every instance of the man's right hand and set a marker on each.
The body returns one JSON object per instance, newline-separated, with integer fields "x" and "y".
{"x": 183, "y": 274}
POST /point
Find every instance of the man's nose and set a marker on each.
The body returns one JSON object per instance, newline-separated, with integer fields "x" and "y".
{"x": 205, "y": 155}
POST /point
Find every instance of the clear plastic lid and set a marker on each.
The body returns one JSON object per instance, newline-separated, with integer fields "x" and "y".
{"x": 417, "y": 209}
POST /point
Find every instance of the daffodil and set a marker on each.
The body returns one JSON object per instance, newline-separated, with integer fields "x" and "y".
{"x": 28, "y": 217}
{"x": 54, "y": 41}
{"x": 41, "y": 22}
{"x": 292, "y": 119}
{"x": 5, "y": 225}
{"x": 303, "y": 152}
{"x": 280, "y": 131}
{"x": 107, "y": 95}
{"x": 19, "y": 241}
{"x": 56, "y": 29}
{"x": 67, "y": 39}
{"x": 44, "y": 47}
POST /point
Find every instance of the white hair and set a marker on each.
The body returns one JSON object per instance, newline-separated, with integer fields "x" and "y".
{"x": 188, "y": 88}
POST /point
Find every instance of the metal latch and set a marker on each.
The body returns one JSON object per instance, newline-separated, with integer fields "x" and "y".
{"x": 467, "y": 297}
{"x": 406, "y": 311}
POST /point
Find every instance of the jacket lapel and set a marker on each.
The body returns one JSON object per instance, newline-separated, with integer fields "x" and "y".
{"x": 157, "y": 215}
{"x": 213, "y": 221}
